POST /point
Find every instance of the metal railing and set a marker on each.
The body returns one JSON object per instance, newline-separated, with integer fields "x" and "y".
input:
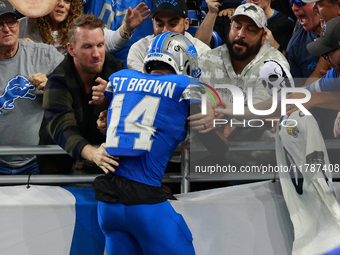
{"x": 184, "y": 177}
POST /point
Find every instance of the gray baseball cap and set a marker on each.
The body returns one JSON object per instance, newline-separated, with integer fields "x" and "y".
{"x": 329, "y": 39}
{"x": 252, "y": 11}
{"x": 6, "y": 7}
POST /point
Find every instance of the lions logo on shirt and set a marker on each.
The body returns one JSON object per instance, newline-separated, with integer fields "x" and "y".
{"x": 16, "y": 88}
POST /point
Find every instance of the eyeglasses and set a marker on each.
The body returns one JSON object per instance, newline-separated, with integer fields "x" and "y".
{"x": 11, "y": 22}
{"x": 326, "y": 56}
{"x": 297, "y": 2}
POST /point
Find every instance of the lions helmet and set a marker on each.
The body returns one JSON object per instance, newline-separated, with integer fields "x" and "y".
{"x": 175, "y": 50}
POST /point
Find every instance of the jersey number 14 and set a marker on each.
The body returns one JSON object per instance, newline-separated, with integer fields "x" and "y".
{"x": 147, "y": 108}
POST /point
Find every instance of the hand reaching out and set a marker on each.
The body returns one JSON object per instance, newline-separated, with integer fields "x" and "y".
{"x": 226, "y": 110}
{"x": 136, "y": 17}
{"x": 204, "y": 123}
{"x": 99, "y": 156}
{"x": 98, "y": 97}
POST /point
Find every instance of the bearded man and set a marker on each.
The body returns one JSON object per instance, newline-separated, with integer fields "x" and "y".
{"x": 238, "y": 62}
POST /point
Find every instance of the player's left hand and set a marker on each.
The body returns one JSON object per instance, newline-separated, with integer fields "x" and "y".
{"x": 38, "y": 80}
{"x": 136, "y": 17}
{"x": 98, "y": 97}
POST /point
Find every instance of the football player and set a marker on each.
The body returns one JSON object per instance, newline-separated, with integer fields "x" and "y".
{"x": 146, "y": 120}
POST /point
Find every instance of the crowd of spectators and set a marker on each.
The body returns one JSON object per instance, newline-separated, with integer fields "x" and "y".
{"x": 233, "y": 40}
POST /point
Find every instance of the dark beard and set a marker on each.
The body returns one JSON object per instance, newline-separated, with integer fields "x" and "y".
{"x": 250, "y": 50}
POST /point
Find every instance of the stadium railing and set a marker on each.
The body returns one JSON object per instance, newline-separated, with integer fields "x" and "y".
{"x": 184, "y": 177}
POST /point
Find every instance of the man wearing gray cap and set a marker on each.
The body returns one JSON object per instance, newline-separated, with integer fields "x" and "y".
{"x": 241, "y": 58}
{"x": 326, "y": 10}
{"x": 24, "y": 67}
{"x": 238, "y": 62}
{"x": 328, "y": 46}
{"x": 167, "y": 16}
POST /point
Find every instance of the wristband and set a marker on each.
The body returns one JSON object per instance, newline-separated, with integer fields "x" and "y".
{"x": 128, "y": 35}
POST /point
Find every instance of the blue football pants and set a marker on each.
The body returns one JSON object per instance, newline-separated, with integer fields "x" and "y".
{"x": 149, "y": 229}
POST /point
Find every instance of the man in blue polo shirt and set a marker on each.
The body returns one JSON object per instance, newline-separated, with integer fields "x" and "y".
{"x": 328, "y": 46}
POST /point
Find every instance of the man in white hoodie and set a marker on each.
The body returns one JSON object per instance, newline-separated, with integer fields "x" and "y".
{"x": 238, "y": 62}
{"x": 244, "y": 53}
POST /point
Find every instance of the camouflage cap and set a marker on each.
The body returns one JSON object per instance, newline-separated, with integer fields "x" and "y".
{"x": 252, "y": 11}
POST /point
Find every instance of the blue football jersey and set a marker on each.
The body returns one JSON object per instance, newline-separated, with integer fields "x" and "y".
{"x": 113, "y": 12}
{"x": 147, "y": 120}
